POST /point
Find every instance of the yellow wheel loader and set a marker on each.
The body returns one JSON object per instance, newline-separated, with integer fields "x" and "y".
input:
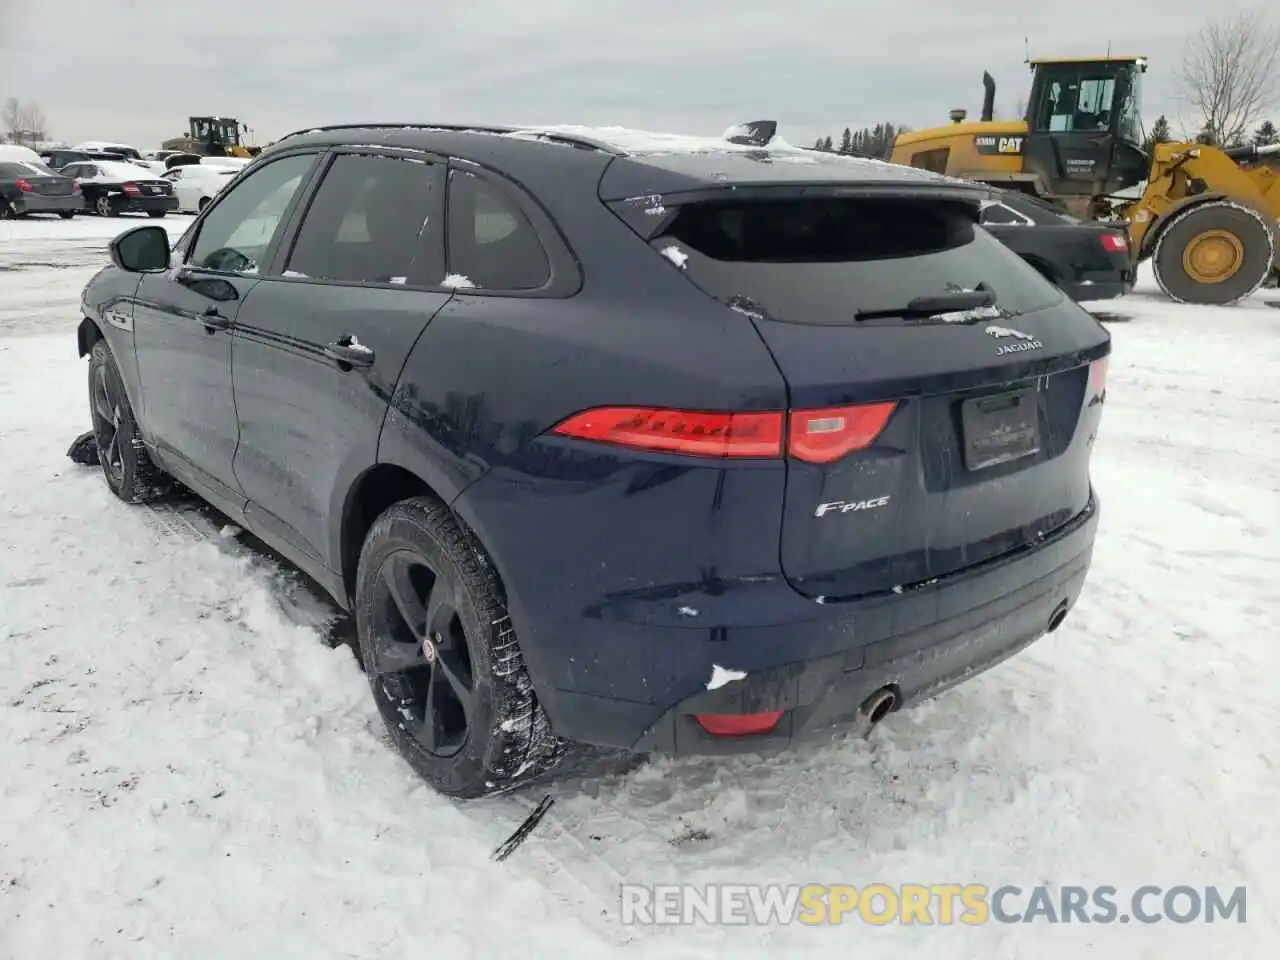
{"x": 1208, "y": 218}
{"x": 213, "y": 137}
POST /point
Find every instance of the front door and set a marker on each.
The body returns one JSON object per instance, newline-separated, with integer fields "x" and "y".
{"x": 320, "y": 342}
{"x": 183, "y": 322}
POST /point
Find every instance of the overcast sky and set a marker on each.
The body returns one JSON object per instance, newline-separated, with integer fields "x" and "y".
{"x": 134, "y": 70}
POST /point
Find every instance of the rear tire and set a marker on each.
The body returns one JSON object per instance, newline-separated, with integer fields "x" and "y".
{"x": 6, "y": 211}
{"x": 422, "y": 575}
{"x": 1218, "y": 253}
{"x": 67, "y": 214}
{"x": 104, "y": 207}
{"x": 126, "y": 465}
{"x": 156, "y": 214}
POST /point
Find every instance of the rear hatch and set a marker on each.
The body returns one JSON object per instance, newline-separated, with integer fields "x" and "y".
{"x": 938, "y": 385}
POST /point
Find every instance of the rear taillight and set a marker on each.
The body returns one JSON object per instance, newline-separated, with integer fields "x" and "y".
{"x": 131, "y": 189}
{"x": 1098, "y": 376}
{"x": 1115, "y": 243}
{"x": 23, "y": 185}
{"x": 738, "y": 724}
{"x": 815, "y": 436}
{"x": 821, "y": 436}
{"x": 680, "y": 431}
{"x": 75, "y": 188}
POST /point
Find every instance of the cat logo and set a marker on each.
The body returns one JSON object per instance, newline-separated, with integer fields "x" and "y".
{"x": 1007, "y": 146}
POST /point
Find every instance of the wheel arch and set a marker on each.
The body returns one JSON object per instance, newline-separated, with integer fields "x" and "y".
{"x": 372, "y": 492}
{"x": 87, "y": 334}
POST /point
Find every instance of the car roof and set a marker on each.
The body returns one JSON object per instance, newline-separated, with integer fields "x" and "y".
{"x": 642, "y": 162}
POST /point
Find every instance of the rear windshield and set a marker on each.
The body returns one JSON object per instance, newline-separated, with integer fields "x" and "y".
{"x": 821, "y": 260}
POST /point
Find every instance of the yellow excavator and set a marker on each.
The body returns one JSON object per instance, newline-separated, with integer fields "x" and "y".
{"x": 213, "y": 137}
{"x": 1208, "y": 217}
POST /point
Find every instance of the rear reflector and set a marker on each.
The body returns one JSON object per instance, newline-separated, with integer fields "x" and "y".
{"x": 821, "y": 436}
{"x": 680, "y": 431}
{"x": 816, "y": 436}
{"x": 738, "y": 724}
{"x": 1115, "y": 243}
{"x": 1098, "y": 376}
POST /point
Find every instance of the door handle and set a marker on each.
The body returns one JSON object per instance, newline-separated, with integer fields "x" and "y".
{"x": 348, "y": 352}
{"x": 213, "y": 320}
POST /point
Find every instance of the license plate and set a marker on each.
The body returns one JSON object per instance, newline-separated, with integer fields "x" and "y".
{"x": 1000, "y": 428}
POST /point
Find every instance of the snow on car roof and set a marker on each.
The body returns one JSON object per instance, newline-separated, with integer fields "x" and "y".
{"x": 120, "y": 168}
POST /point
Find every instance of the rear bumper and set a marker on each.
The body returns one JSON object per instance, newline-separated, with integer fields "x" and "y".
{"x": 39, "y": 203}
{"x": 919, "y": 643}
{"x": 145, "y": 204}
{"x": 1101, "y": 285}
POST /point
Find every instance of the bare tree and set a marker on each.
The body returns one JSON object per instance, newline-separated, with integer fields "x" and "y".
{"x": 10, "y": 116}
{"x": 33, "y": 122}
{"x": 1231, "y": 73}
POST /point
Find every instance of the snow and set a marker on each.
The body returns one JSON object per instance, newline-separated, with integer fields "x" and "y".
{"x": 457, "y": 280}
{"x": 720, "y": 676}
{"x": 675, "y": 255}
{"x": 186, "y": 769}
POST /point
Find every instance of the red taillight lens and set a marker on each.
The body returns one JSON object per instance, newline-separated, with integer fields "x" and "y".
{"x": 131, "y": 189}
{"x": 738, "y": 724}
{"x": 23, "y": 185}
{"x": 1115, "y": 243}
{"x": 75, "y": 188}
{"x": 821, "y": 436}
{"x": 1098, "y": 376}
{"x": 680, "y": 431}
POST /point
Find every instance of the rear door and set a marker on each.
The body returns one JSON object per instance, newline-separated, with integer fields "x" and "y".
{"x": 919, "y": 445}
{"x": 320, "y": 341}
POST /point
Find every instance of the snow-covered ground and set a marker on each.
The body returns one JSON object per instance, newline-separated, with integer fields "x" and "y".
{"x": 188, "y": 770}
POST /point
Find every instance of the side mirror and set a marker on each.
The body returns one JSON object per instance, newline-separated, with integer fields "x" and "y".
{"x": 141, "y": 250}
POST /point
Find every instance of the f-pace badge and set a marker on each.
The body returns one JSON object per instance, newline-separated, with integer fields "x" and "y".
{"x": 1024, "y": 341}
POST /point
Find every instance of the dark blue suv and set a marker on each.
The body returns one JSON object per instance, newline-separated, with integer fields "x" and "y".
{"x": 606, "y": 439}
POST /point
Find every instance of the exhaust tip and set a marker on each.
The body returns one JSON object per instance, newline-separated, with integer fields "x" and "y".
{"x": 1059, "y": 614}
{"x": 879, "y": 705}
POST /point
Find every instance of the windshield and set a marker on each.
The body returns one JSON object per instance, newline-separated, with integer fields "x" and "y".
{"x": 1130, "y": 128}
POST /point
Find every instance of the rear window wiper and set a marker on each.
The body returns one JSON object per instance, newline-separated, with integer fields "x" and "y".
{"x": 954, "y": 306}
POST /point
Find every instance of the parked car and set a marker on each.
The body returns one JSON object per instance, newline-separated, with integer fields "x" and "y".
{"x": 113, "y": 187}
{"x": 57, "y": 159}
{"x": 670, "y": 444}
{"x": 107, "y": 146}
{"x": 12, "y": 152}
{"x": 197, "y": 184}
{"x": 27, "y": 188}
{"x": 1088, "y": 259}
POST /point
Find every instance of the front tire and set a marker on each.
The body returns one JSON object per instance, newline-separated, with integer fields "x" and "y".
{"x": 441, "y": 656}
{"x": 1217, "y": 253}
{"x": 66, "y": 214}
{"x": 156, "y": 214}
{"x": 126, "y": 465}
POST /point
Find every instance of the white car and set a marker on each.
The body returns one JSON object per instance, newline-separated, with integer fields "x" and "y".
{"x": 197, "y": 184}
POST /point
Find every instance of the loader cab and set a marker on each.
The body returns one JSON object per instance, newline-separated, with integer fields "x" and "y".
{"x": 218, "y": 134}
{"x": 1084, "y": 125}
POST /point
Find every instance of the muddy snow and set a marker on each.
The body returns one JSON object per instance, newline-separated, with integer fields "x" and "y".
{"x": 189, "y": 767}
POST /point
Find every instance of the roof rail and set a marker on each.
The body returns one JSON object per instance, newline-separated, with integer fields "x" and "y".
{"x": 581, "y": 142}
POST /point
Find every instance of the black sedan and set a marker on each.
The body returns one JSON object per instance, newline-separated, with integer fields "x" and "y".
{"x": 113, "y": 187}
{"x": 1088, "y": 259}
{"x": 34, "y": 188}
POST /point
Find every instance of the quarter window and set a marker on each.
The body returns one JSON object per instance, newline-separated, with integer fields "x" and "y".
{"x": 235, "y": 235}
{"x": 492, "y": 245}
{"x": 371, "y": 222}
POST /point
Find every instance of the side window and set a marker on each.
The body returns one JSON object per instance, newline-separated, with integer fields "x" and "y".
{"x": 88, "y": 171}
{"x": 491, "y": 243}
{"x": 369, "y": 221}
{"x": 999, "y": 213}
{"x": 72, "y": 171}
{"x": 235, "y": 234}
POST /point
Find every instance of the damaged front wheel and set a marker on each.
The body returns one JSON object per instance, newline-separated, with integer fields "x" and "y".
{"x": 128, "y": 468}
